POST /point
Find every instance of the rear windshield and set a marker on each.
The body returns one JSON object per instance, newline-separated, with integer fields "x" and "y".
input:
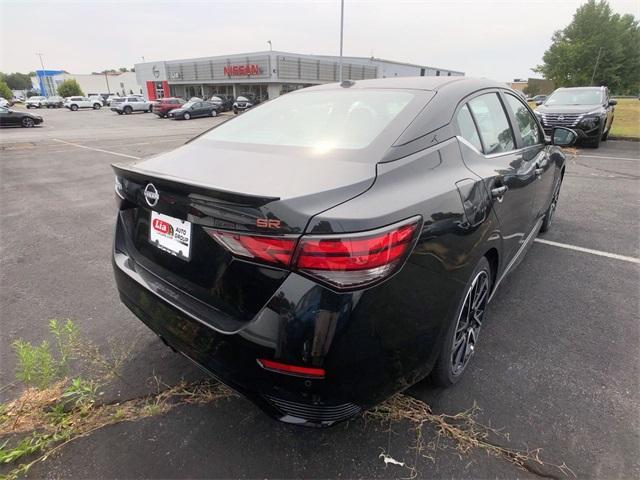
{"x": 349, "y": 119}
{"x": 575, "y": 97}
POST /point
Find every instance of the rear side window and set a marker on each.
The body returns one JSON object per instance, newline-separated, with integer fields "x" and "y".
{"x": 493, "y": 124}
{"x": 526, "y": 123}
{"x": 468, "y": 128}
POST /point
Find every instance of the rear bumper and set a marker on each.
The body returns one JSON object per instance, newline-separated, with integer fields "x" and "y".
{"x": 370, "y": 343}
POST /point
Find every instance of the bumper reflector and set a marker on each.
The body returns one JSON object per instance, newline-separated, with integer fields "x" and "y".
{"x": 287, "y": 369}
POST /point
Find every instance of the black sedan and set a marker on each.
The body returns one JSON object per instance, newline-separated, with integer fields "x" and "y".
{"x": 14, "y": 118}
{"x": 340, "y": 243}
{"x": 589, "y": 111}
{"x": 195, "y": 109}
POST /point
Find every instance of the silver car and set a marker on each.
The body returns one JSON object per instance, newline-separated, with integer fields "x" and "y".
{"x": 130, "y": 104}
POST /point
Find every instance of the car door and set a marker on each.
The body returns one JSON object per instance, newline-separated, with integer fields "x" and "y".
{"x": 198, "y": 109}
{"x": 530, "y": 138}
{"x": 5, "y": 116}
{"x": 489, "y": 149}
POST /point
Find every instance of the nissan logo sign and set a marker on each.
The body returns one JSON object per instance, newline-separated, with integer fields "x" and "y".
{"x": 151, "y": 195}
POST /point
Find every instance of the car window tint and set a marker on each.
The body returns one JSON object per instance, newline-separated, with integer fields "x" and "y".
{"x": 526, "y": 123}
{"x": 493, "y": 124}
{"x": 468, "y": 128}
{"x": 349, "y": 118}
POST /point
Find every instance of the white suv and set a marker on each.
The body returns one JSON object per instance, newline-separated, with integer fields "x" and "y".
{"x": 74, "y": 103}
{"x": 35, "y": 102}
{"x": 131, "y": 104}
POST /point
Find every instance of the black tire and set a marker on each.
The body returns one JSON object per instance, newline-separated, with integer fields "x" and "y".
{"x": 127, "y": 110}
{"x": 454, "y": 359}
{"x": 235, "y": 111}
{"x": 74, "y": 108}
{"x": 551, "y": 210}
{"x": 119, "y": 113}
{"x": 187, "y": 116}
{"x": 28, "y": 122}
{"x": 97, "y": 106}
{"x": 150, "y": 110}
{"x": 28, "y": 107}
{"x": 606, "y": 134}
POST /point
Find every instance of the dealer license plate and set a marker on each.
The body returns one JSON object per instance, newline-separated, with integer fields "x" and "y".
{"x": 171, "y": 235}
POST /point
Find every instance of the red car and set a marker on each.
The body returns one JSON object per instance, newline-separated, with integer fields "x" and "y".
{"x": 163, "y": 106}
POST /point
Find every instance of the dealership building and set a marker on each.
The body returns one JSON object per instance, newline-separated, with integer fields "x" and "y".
{"x": 265, "y": 74}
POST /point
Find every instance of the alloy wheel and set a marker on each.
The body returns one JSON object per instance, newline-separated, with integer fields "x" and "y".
{"x": 469, "y": 322}
{"x": 554, "y": 204}
{"x": 28, "y": 122}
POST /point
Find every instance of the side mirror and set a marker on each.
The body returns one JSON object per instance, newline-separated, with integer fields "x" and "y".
{"x": 563, "y": 137}
{"x": 613, "y": 102}
{"x": 538, "y": 102}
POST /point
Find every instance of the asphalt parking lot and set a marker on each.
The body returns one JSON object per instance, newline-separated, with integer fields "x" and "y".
{"x": 557, "y": 367}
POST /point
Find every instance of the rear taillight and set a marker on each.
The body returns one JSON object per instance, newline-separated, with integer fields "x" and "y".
{"x": 343, "y": 261}
{"x": 350, "y": 261}
{"x": 273, "y": 250}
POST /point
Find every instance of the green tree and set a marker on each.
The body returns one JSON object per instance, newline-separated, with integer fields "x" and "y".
{"x": 69, "y": 88}
{"x": 5, "y": 91}
{"x": 18, "y": 81}
{"x": 595, "y": 31}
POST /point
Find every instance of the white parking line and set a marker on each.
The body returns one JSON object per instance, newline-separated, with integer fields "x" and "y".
{"x": 589, "y": 250}
{"x": 601, "y": 156}
{"x": 97, "y": 149}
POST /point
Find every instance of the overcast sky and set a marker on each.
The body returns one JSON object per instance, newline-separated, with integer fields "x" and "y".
{"x": 496, "y": 39}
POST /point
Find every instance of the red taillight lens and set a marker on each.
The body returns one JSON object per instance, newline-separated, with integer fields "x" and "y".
{"x": 295, "y": 370}
{"x": 343, "y": 261}
{"x": 355, "y": 260}
{"x": 274, "y": 250}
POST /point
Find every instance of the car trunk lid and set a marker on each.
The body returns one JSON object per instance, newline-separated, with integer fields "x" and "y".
{"x": 216, "y": 187}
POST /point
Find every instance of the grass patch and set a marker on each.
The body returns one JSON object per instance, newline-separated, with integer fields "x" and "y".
{"x": 54, "y": 410}
{"x": 460, "y": 432}
{"x": 626, "y": 122}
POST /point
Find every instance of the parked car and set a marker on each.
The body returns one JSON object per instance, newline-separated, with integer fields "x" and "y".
{"x": 35, "y": 102}
{"x": 242, "y": 103}
{"x": 110, "y": 98}
{"x": 164, "y": 105}
{"x": 587, "y": 110}
{"x": 538, "y": 99}
{"x": 4, "y": 102}
{"x": 195, "y": 109}
{"x": 321, "y": 252}
{"x": 97, "y": 99}
{"x": 10, "y": 118}
{"x": 76, "y": 103}
{"x": 131, "y": 104}
{"x": 227, "y": 101}
{"x": 53, "y": 102}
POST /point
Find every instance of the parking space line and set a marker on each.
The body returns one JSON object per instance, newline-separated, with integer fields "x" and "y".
{"x": 97, "y": 149}
{"x": 600, "y": 253}
{"x": 602, "y": 156}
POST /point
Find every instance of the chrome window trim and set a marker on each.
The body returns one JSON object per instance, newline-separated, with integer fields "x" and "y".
{"x": 492, "y": 155}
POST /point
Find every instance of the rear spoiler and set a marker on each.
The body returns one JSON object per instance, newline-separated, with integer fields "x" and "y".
{"x": 139, "y": 175}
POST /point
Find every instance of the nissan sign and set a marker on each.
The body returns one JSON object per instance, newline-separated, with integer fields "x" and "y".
{"x": 241, "y": 70}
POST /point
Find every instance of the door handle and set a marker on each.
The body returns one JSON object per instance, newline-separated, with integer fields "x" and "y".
{"x": 498, "y": 192}
{"x": 539, "y": 171}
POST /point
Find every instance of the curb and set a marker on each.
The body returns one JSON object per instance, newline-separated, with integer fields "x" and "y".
{"x": 625, "y": 139}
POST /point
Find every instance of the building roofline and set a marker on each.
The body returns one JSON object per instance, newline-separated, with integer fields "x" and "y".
{"x": 281, "y": 52}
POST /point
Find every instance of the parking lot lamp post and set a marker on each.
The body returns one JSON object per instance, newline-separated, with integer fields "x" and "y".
{"x": 341, "y": 35}
{"x": 44, "y": 83}
{"x": 270, "y": 46}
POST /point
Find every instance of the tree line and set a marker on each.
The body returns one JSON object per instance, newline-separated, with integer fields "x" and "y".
{"x": 598, "y": 47}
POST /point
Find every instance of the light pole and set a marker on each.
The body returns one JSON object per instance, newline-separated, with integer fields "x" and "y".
{"x": 341, "y": 35}
{"x": 43, "y": 84}
{"x": 596, "y": 66}
{"x": 143, "y": 60}
{"x": 270, "y": 46}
